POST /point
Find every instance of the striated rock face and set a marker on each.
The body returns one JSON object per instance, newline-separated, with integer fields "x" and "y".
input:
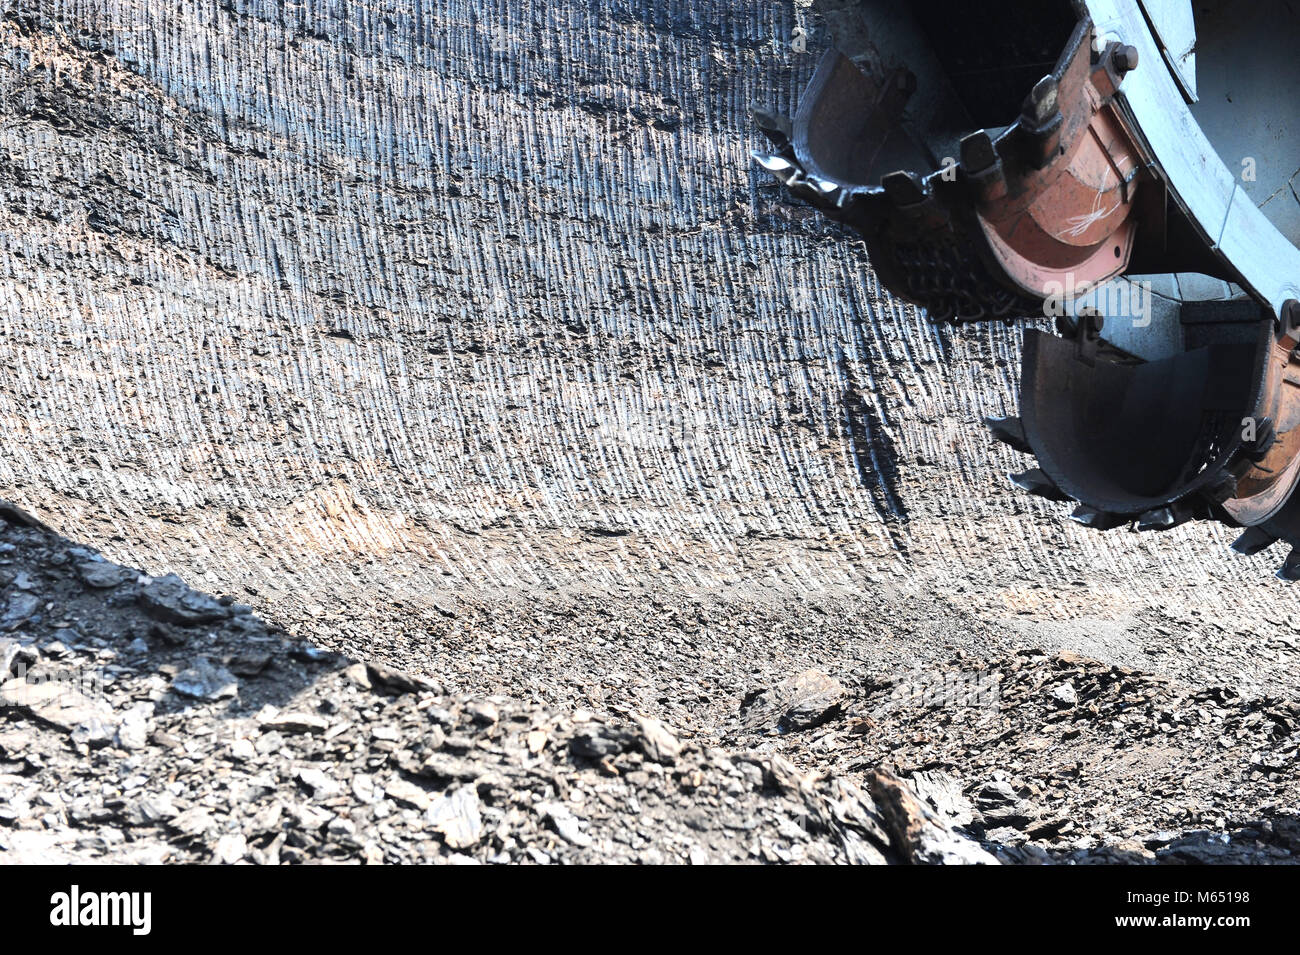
{"x": 491, "y": 299}
{"x": 363, "y": 304}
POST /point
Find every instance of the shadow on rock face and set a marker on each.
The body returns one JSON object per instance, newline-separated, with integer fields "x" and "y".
{"x": 144, "y": 721}
{"x": 92, "y": 646}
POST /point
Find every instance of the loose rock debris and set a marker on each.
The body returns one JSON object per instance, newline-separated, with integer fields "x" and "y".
{"x": 220, "y": 740}
{"x": 309, "y": 757}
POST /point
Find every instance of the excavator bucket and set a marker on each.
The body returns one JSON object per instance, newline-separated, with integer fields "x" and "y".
{"x": 1083, "y": 166}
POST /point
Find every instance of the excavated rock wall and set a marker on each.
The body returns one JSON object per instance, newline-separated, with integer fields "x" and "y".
{"x": 377, "y": 314}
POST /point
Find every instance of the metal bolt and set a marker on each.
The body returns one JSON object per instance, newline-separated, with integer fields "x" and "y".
{"x": 1125, "y": 58}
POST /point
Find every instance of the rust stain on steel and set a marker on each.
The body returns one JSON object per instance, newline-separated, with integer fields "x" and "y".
{"x": 1070, "y": 223}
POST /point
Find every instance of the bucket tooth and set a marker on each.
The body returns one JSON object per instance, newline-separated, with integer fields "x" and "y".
{"x": 778, "y": 165}
{"x": 1290, "y": 571}
{"x": 829, "y": 189}
{"x": 904, "y": 189}
{"x": 1253, "y": 540}
{"x": 777, "y": 128}
{"x": 1066, "y": 327}
{"x": 1041, "y": 121}
{"x": 1097, "y": 520}
{"x": 1038, "y": 484}
{"x": 1043, "y": 104}
{"x": 1163, "y": 518}
{"x": 982, "y": 165}
{"x": 1010, "y": 431}
{"x": 978, "y": 152}
{"x": 1222, "y": 489}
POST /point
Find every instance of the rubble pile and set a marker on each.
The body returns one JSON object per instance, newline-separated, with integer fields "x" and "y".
{"x": 141, "y": 720}
{"x": 144, "y": 721}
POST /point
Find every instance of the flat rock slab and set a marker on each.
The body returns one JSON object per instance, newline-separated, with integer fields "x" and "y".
{"x": 804, "y": 701}
{"x": 457, "y": 818}
{"x": 103, "y": 575}
{"x": 57, "y": 702}
{"x": 168, "y": 600}
{"x": 206, "y": 681}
